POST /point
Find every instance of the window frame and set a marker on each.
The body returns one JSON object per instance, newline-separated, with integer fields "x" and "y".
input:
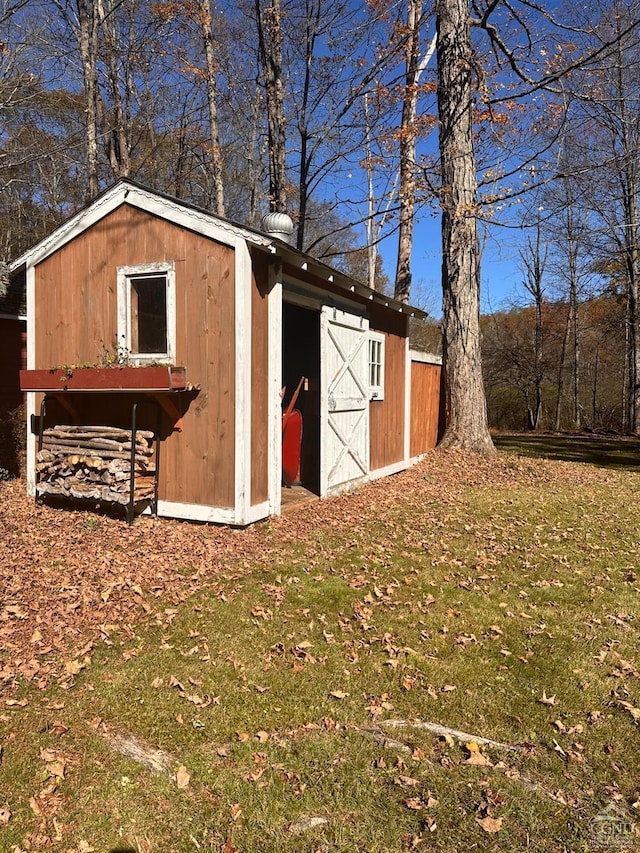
{"x": 126, "y": 275}
{"x": 376, "y": 389}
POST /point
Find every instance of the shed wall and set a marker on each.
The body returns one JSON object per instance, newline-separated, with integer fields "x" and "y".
{"x": 13, "y": 357}
{"x": 76, "y": 317}
{"x": 425, "y": 406}
{"x": 386, "y": 417}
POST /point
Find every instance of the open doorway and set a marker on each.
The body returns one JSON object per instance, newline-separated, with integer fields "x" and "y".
{"x": 301, "y": 358}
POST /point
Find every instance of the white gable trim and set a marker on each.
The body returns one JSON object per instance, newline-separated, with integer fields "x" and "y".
{"x": 172, "y": 211}
{"x": 274, "y": 386}
{"x": 243, "y": 377}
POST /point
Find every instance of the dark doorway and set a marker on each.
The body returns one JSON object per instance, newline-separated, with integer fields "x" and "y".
{"x": 301, "y": 357}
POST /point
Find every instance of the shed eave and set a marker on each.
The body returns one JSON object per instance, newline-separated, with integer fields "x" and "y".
{"x": 306, "y": 264}
{"x": 165, "y": 207}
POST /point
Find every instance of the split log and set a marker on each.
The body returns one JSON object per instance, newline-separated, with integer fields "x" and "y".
{"x": 95, "y": 463}
{"x": 105, "y": 454}
{"x": 115, "y": 432}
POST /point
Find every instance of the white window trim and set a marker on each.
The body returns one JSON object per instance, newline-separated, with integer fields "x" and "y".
{"x": 376, "y": 392}
{"x": 124, "y": 276}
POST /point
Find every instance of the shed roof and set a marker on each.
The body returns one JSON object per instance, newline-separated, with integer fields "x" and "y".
{"x": 197, "y": 219}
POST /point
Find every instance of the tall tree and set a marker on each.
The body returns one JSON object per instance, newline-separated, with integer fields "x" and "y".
{"x": 465, "y": 401}
{"x": 269, "y": 23}
{"x": 534, "y": 258}
{"x": 409, "y": 128}
{"x": 217, "y": 165}
{"x": 609, "y": 100}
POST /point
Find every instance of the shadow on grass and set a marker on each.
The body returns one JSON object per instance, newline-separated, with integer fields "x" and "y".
{"x": 605, "y": 451}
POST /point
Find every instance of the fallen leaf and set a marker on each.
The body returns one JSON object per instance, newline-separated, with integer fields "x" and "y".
{"x": 73, "y": 667}
{"x": 547, "y": 700}
{"x": 478, "y": 759}
{"x": 414, "y": 803}
{"x": 5, "y": 817}
{"x": 490, "y": 824}
{"x": 635, "y": 712}
{"x": 56, "y": 768}
{"x": 408, "y": 781}
{"x": 338, "y": 694}
{"x": 183, "y": 777}
{"x": 235, "y": 811}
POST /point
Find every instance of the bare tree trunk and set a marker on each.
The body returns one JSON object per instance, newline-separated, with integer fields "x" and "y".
{"x": 118, "y": 147}
{"x": 408, "y": 131}
{"x": 538, "y": 356}
{"x": 560, "y": 384}
{"x": 575, "y": 338}
{"x": 534, "y": 261}
{"x": 626, "y": 376}
{"x": 372, "y": 229}
{"x": 215, "y": 148}
{"x": 270, "y": 49}
{"x": 466, "y": 407}
{"x": 87, "y": 36}
{"x": 252, "y": 152}
{"x": 634, "y": 367}
{"x": 594, "y": 396}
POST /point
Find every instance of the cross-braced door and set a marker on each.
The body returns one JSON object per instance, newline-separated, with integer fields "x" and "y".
{"x": 344, "y": 408}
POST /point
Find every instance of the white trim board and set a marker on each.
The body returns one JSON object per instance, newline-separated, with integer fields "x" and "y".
{"x": 243, "y": 381}
{"x": 125, "y": 193}
{"x": 274, "y": 385}
{"x": 388, "y": 470}
{"x": 211, "y": 514}
{"x": 407, "y": 400}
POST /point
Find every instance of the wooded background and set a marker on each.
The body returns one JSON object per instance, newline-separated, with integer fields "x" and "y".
{"x": 512, "y": 121}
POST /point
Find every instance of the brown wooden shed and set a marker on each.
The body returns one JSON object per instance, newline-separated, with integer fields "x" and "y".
{"x": 13, "y": 340}
{"x": 143, "y": 275}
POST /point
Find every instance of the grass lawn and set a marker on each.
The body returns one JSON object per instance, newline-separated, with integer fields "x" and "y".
{"x": 173, "y": 687}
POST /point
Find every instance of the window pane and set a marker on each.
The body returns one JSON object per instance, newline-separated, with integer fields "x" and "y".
{"x": 149, "y": 314}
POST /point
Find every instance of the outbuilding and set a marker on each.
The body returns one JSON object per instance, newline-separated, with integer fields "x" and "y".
{"x": 233, "y": 321}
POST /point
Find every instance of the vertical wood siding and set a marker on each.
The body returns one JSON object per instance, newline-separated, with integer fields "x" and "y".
{"x": 425, "y": 406}
{"x": 13, "y": 358}
{"x": 386, "y": 417}
{"x": 76, "y": 313}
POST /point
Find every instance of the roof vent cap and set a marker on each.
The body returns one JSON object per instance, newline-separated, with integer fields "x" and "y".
{"x": 278, "y": 225}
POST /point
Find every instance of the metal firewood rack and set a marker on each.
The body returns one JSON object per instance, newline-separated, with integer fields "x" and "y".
{"x": 131, "y": 504}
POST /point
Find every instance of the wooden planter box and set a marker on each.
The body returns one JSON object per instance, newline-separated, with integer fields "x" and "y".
{"x": 123, "y": 378}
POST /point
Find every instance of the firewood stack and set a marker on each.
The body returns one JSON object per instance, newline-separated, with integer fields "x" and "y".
{"x": 95, "y": 462}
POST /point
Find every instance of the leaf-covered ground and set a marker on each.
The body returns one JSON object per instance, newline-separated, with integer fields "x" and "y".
{"x": 180, "y": 687}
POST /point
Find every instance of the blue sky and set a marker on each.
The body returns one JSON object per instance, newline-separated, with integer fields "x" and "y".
{"x": 500, "y": 275}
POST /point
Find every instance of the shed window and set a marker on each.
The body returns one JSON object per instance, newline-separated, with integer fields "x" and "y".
{"x": 376, "y": 366}
{"x": 146, "y": 312}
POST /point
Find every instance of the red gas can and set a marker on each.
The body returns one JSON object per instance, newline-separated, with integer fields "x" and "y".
{"x": 291, "y": 444}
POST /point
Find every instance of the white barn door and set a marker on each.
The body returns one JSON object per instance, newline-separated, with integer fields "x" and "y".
{"x": 344, "y": 400}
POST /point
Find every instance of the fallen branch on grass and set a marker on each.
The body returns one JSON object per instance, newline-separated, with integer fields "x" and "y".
{"x": 383, "y": 739}
{"x": 152, "y": 758}
{"x": 443, "y": 731}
